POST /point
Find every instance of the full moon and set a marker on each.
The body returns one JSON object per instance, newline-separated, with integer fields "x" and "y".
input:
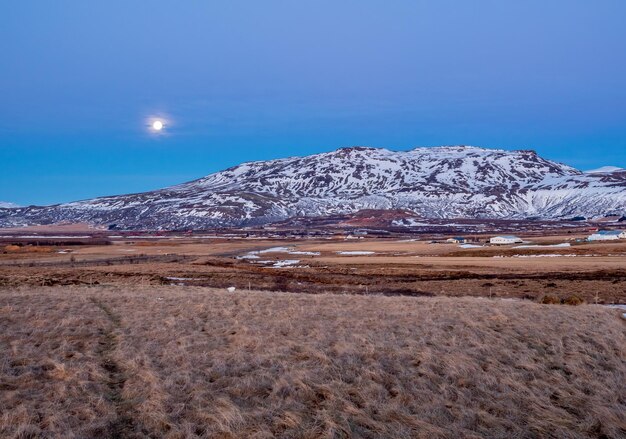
{"x": 157, "y": 125}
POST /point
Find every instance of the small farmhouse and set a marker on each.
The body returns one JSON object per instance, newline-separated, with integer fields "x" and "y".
{"x": 607, "y": 235}
{"x": 457, "y": 240}
{"x": 506, "y": 239}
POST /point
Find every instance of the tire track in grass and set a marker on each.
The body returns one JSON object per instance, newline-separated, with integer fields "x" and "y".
{"x": 125, "y": 424}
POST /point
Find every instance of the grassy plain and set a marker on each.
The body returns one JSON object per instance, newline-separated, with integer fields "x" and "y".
{"x": 594, "y": 272}
{"x": 162, "y": 361}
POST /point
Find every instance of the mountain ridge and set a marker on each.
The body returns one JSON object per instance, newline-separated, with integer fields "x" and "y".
{"x": 434, "y": 182}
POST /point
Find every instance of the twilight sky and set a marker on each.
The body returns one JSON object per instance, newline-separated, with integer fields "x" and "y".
{"x": 252, "y": 80}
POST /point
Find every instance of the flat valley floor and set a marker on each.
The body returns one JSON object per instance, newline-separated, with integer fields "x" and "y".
{"x": 259, "y": 337}
{"x": 553, "y": 265}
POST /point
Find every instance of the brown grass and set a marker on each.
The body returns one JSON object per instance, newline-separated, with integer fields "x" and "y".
{"x": 51, "y": 382}
{"x": 196, "y": 362}
{"x": 398, "y": 267}
{"x": 27, "y": 249}
{"x": 605, "y": 286}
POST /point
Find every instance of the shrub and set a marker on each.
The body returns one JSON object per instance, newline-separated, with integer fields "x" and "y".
{"x": 549, "y": 299}
{"x": 573, "y": 300}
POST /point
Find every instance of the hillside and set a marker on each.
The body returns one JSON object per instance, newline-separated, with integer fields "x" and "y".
{"x": 439, "y": 182}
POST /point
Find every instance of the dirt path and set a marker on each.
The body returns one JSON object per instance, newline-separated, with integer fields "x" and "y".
{"x": 125, "y": 424}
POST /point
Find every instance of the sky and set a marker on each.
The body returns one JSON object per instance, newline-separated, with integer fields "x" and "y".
{"x": 238, "y": 81}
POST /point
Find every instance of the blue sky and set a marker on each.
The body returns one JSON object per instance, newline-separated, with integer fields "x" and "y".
{"x": 248, "y": 80}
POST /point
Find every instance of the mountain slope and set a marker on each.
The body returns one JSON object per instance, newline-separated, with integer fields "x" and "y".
{"x": 440, "y": 182}
{"x": 605, "y": 169}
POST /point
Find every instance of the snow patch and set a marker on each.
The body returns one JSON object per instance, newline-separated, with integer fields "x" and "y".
{"x": 286, "y": 263}
{"x": 564, "y": 244}
{"x": 605, "y": 170}
{"x": 617, "y": 306}
{"x": 249, "y": 256}
{"x": 275, "y": 250}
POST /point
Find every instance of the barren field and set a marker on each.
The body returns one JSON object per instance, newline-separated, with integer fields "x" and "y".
{"x": 197, "y": 362}
{"x": 557, "y": 265}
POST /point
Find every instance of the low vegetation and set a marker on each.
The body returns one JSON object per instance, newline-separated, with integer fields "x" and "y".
{"x": 197, "y": 362}
{"x": 573, "y": 300}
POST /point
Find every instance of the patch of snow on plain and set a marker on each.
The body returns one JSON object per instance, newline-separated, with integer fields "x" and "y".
{"x": 617, "y": 306}
{"x": 52, "y": 237}
{"x": 545, "y": 256}
{"x": 286, "y": 263}
{"x": 249, "y": 256}
{"x": 470, "y": 246}
{"x": 564, "y": 244}
{"x": 571, "y": 255}
{"x": 355, "y": 253}
{"x": 304, "y": 253}
{"x": 275, "y": 250}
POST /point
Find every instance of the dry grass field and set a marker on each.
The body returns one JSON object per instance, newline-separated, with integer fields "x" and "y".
{"x": 593, "y": 272}
{"x": 177, "y": 362}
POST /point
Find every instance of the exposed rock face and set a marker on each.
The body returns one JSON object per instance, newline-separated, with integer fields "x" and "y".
{"x": 440, "y": 182}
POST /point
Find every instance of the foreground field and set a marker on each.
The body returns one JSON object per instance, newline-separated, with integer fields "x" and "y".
{"x": 197, "y": 362}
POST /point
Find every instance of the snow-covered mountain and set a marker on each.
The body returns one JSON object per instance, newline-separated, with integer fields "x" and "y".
{"x": 5, "y": 205}
{"x": 438, "y": 182}
{"x": 605, "y": 170}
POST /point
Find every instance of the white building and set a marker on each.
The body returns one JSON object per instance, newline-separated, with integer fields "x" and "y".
{"x": 506, "y": 239}
{"x": 607, "y": 235}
